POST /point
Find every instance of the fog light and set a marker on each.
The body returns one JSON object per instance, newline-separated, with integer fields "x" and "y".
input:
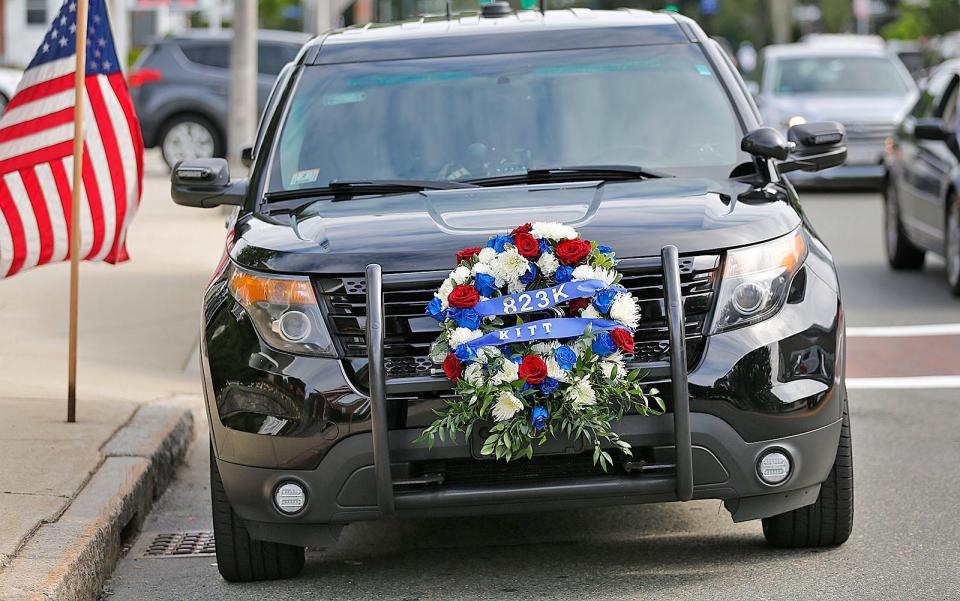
{"x": 290, "y": 497}
{"x": 294, "y": 326}
{"x": 774, "y": 467}
{"x": 748, "y": 297}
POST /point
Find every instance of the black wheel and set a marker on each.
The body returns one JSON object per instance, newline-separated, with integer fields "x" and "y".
{"x": 828, "y": 522}
{"x": 185, "y": 137}
{"x": 901, "y": 253}
{"x": 240, "y": 558}
{"x": 952, "y": 246}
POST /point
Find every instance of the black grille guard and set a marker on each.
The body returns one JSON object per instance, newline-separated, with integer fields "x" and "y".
{"x": 679, "y": 487}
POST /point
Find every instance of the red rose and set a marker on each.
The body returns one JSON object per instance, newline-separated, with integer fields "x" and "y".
{"x": 571, "y": 252}
{"x": 467, "y": 253}
{"x": 463, "y": 297}
{"x": 577, "y": 306}
{"x": 532, "y": 369}
{"x": 623, "y": 339}
{"x": 527, "y": 246}
{"x": 523, "y": 229}
{"x": 453, "y": 368}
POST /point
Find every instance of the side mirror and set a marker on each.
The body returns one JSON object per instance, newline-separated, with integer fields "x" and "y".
{"x": 817, "y": 146}
{"x": 205, "y": 183}
{"x": 766, "y": 142}
{"x": 931, "y": 129}
{"x": 246, "y": 156}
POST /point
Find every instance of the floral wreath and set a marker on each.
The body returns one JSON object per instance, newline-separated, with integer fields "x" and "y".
{"x": 564, "y": 374}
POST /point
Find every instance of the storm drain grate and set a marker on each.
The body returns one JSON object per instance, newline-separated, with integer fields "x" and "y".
{"x": 176, "y": 544}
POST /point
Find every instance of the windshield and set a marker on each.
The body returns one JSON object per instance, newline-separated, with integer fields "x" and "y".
{"x": 659, "y": 107}
{"x": 839, "y": 76}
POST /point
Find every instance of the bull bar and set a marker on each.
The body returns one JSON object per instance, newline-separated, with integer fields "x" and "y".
{"x": 678, "y": 487}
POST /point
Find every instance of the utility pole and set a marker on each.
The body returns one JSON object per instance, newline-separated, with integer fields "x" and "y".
{"x": 214, "y": 15}
{"x": 781, "y": 14}
{"x": 243, "y": 79}
{"x": 321, "y": 15}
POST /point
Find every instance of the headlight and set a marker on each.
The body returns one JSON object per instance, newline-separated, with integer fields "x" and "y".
{"x": 756, "y": 281}
{"x": 285, "y": 312}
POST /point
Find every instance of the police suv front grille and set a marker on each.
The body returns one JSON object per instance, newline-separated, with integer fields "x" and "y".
{"x": 409, "y": 332}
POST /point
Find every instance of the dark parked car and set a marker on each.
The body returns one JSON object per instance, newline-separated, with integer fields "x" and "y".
{"x": 922, "y": 191}
{"x": 180, "y": 87}
{"x": 389, "y": 149}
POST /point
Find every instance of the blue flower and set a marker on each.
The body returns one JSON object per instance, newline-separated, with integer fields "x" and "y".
{"x": 465, "y": 318}
{"x": 603, "y": 299}
{"x": 435, "y": 309}
{"x": 497, "y": 242}
{"x": 565, "y": 357}
{"x": 549, "y": 386}
{"x": 605, "y": 250}
{"x": 466, "y": 353}
{"x": 540, "y": 417}
{"x": 518, "y": 359}
{"x": 603, "y": 344}
{"x": 531, "y": 274}
{"x": 544, "y": 245}
{"x": 564, "y": 274}
{"x": 485, "y": 284}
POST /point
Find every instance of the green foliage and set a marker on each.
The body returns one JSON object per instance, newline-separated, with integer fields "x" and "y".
{"x": 935, "y": 18}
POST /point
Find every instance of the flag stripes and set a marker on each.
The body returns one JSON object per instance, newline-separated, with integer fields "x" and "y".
{"x": 36, "y": 162}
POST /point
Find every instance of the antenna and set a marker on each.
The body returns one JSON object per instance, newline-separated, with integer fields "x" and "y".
{"x": 543, "y": 6}
{"x": 449, "y": 11}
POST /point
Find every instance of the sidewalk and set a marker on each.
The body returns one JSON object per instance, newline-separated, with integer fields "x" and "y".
{"x": 71, "y": 493}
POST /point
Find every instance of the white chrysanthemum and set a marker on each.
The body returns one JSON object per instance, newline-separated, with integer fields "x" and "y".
{"x": 486, "y": 354}
{"x": 480, "y": 268}
{"x": 474, "y": 374}
{"x": 548, "y": 264}
{"x": 509, "y": 372}
{"x": 439, "y": 351}
{"x": 554, "y": 370}
{"x": 625, "y": 310}
{"x": 460, "y": 275}
{"x": 515, "y": 286}
{"x": 445, "y": 289}
{"x": 611, "y": 361}
{"x": 461, "y": 335}
{"x": 508, "y": 266}
{"x": 590, "y": 312}
{"x": 486, "y": 255}
{"x": 506, "y": 406}
{"x": 545, "y": 348}
{"x": 586, "y": 272}
{"x": 581, "y": 393}
{"x": 552, "y": 231}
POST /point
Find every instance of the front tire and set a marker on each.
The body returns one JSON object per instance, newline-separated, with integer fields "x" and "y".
{"x": 901, "y": 253}
{"x": 828, "y": 522}
{"x": 239, "y": 557}
{"x": 952, "y": 246}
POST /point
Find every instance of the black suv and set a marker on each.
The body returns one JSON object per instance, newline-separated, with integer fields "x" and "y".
{"x": 389, "y": 148}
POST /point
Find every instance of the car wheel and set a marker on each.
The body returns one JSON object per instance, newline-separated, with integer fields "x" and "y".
{"x": 901, "y": 253}
{"x": 189, "y": 137}
{"x": 239, "y": 557}
{"x": 828, "y": 522}
{"x": 952, "y": 250}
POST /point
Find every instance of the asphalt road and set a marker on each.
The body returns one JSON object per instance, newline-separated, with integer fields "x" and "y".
{"x": 905, "y": 544}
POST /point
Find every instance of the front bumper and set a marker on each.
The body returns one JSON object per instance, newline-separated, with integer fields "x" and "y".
{"x": 775, "y": 384}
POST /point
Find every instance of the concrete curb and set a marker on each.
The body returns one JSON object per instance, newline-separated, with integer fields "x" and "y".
{"x": 69, "y": 559}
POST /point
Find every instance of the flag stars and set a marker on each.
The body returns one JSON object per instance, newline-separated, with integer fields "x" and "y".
{"x": 73, "y": 28}
{"x": 63, "y": 21}
{"x": 72, "y": 7}
{"x": 96, "y": 18}
{"x": 63, "y": 42}
{"x": 101, "y": 42}
{"x": 106, "y": 65}
{"x": 54, "y": 33}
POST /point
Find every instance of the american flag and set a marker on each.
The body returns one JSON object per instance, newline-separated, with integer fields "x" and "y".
{"x": 36, "y": 151}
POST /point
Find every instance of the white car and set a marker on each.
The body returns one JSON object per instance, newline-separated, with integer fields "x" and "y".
{"x": 9, "y": 78}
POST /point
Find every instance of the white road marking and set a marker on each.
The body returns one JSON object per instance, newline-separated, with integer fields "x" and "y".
{"x": 903, "y": 383}
{"x": 933, "y": 329}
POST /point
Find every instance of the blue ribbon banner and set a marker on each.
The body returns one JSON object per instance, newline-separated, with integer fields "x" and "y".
{"x": 536, "y": 300}
{"x": 543, "y": 329}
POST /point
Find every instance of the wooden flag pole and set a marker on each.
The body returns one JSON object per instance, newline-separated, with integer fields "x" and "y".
{"x": 78, "y": 103}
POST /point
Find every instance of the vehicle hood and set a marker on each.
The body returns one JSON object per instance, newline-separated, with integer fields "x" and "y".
{"x": 845, "y": 109}
{"x": 423, "y": 231}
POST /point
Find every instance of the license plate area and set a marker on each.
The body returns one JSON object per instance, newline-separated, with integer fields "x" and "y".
{"x": 560, "y": 445}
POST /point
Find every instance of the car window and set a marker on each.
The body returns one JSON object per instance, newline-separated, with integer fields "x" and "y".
{"x": 272, "y": 57}
{"x": 208, "y": 55}
{"x": 948, "y": 106}
{"x": 838, "y": 76}
{"x": 930, "y": 96}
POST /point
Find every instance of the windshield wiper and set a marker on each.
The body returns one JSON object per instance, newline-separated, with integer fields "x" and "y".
{"x": 351, "y": 188}
{"x": 572, "y": 173}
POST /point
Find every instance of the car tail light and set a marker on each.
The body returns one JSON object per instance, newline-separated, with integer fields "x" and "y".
{"x": 141, "y": 76}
